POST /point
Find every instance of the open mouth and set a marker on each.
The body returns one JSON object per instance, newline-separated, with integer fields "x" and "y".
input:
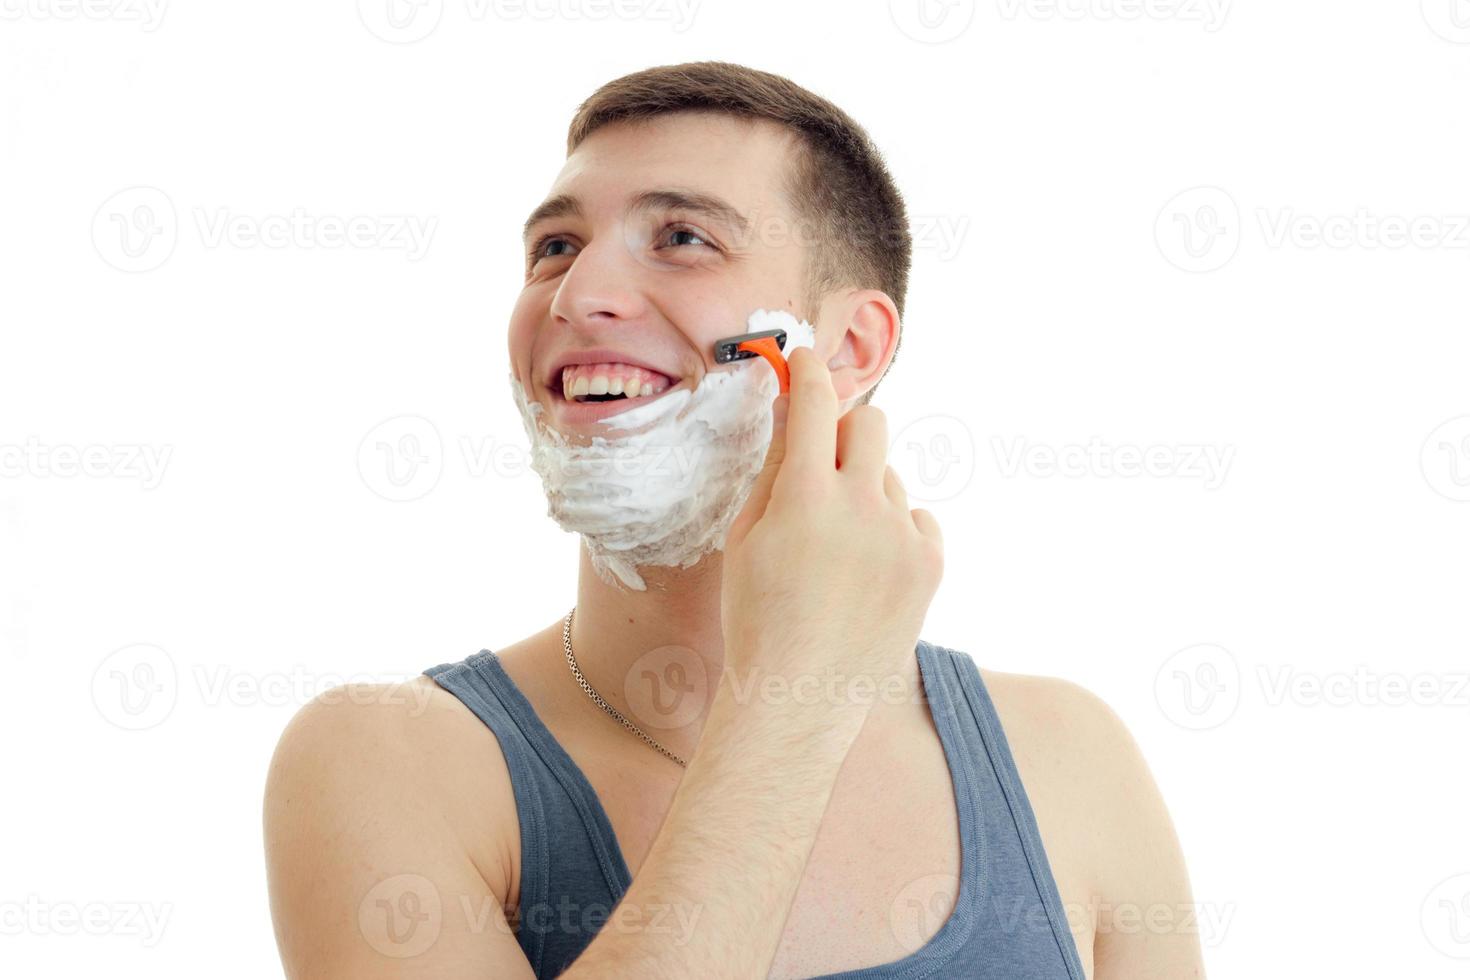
{"x": 609, "y": 382}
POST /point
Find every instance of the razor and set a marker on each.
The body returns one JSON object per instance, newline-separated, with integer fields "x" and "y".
{"x": 762, "y": 343}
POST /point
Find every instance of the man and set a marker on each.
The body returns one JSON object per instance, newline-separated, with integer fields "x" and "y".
{"x": 528, "y": 812}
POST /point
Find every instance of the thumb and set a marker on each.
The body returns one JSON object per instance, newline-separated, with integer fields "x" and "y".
{"x": 760, "y": 491}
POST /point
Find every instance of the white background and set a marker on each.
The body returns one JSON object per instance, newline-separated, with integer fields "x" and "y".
{"x": 1115, "y": 207}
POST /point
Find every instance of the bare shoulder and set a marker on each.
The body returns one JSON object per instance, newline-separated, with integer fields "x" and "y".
{"x": 1104, "y": 823}
{"x": 413, "y": 716}
{"x": 411, "y": 746}
{"x": 1054, "y": 725}
{"x": 1083, "y": 771}
{"x": 1073, "y": 754}
{"x": 376, "y": 787}
{"x": 1031, "y": 698}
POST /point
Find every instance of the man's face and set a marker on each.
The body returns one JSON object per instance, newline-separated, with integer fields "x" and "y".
{"x": 662, "y": 237}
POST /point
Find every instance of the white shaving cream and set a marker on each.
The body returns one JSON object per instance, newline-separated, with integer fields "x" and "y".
{"x": 663, "y": 487}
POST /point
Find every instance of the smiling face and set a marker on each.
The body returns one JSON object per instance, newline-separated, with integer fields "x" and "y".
{"x": 658, "y": 238}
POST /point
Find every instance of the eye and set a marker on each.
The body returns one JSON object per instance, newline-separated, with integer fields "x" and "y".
{"x": 545, "y": 248}
{"x": 676, "y": 232}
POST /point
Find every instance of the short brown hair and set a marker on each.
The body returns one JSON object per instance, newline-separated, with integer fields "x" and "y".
{"x": 838, "y": 182}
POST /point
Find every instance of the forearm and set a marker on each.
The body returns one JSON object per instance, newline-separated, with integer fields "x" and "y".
{"x": 732, "y": 848}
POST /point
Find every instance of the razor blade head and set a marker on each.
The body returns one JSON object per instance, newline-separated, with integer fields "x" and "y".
{"x": 728, "y": 350}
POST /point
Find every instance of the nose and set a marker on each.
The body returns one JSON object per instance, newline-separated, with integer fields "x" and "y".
{"x": 602, "y": 285}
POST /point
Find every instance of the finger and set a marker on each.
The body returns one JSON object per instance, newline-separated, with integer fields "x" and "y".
{"x": 811, "y": 426}
{"x": 927, "y": 525}
{"x": 760, "y": 490}
{"x": 862, "y": 443}
{"x": 893, "y": 486}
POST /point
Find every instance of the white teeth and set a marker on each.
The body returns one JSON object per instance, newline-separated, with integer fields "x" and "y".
{"x": 584, "y": 385}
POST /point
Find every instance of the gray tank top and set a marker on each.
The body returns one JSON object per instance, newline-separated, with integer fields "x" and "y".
{"x": 1007, "y": 922}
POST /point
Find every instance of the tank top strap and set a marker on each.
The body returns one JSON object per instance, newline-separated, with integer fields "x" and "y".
{"x": 566, "y": 836}
{"x": 1014, "y": 850}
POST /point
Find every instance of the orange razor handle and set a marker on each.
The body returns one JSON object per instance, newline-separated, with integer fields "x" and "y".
{"x": 768, "y": 348}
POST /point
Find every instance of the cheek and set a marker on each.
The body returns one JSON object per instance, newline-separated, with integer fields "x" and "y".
{"x": 705, "y": 314}
{"x": 528, "y": 313}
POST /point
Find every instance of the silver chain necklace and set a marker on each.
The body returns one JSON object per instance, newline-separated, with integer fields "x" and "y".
{"x": 566, "y": 642}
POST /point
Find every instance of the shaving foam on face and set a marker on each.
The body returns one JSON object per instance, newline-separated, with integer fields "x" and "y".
{"x": 664, "y": 485}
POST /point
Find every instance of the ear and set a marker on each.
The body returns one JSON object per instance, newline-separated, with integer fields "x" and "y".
{"x": 865, "y": 325}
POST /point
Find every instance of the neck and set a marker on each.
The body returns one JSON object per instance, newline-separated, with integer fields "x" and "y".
{"x": 655, "y": 655}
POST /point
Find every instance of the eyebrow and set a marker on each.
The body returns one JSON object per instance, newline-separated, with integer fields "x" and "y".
{"x": 559, "y": 206}
{"x": 566, "y": 205}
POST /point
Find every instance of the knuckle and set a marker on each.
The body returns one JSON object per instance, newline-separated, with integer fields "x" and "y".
{"x": 809, "y": 384}
{"x": 868, "y": 422}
